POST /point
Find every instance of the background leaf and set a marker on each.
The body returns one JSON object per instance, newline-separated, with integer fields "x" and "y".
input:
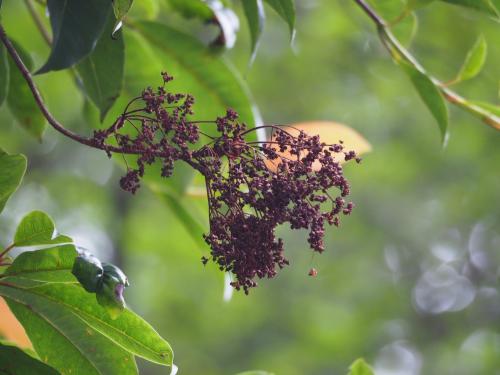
{"x": 286, "y": 10}
{"x": 14, "y": 361}
{"x": 121, "y": 8}
{"x": 254, "y": 13}
{"x": 331, "y": 133}
{"x": 4, "y": 74}
{"x": 20, "y": 99}
{"x": 13, "y": 168}
{"x": 37, "y": 228}
{"x": 486, "y": 6}
{"x": 474, "y": 61}
{"x": 430, "y": 95}
{"x": 102, "y": 71}
{"x": 255, "y": 372}
{"x": 360, "y": 367}
{"x": 76, "y": 26}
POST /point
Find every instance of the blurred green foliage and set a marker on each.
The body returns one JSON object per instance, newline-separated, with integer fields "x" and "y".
{"x": 410, "y": 280}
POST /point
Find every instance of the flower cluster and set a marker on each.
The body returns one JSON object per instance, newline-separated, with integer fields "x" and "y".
{"x": 252, "y": 186}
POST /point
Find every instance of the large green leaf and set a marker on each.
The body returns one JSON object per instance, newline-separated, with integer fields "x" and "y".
{"x": 37, "y": 228}
{"x": 254, "y": 13}
{"x": 76, "y": 26}
{"x": 42, "y": 280}
{"x": 486, "y": 6}
{"x": 360, "y": 367}
{"x": 12, "y": 169}
{"x": 286, "y": 10}
{"x": 14, "y": 361}
{"x": 4, "y": 74}
{"x": 102, "y": 71}
{"x": 213, "y": 82}
{"x": 474, "y": 61}
{"x": 430, "y": 95}
{"x": 20, "y": 99}
{"x": 192, "y": 8}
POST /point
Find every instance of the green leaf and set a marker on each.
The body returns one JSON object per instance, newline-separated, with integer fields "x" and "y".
{"x": 4, "y": 74}
{"x": 42, "y": 279}
{"x": 145, "y": 9}
{"x": 102, "y": 71}
{"x": 255, "y": 372}
{"x": 474, "y": 61}
{"x": 37, "y": 228}
{"x": 286, "y": 10}
{"x": 430, "y": 95}
{"x": 254, "y": 13}
{"x": 63, "y": 340}
{"x": 21, "y": 103}
{"x": 12, "y": 169}
{"x": 121, "y": 8}
{"x": 76, "y": 26}
{"x": 485, "y": 6}
{"x": 215, "y": 85}
{"x": 192, "y": 8}
{"x": 14, "y": 361}
{"x": 416, "y": 4}
{"x": 360, "y": 367}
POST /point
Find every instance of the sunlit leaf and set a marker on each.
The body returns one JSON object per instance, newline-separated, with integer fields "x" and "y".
{"x": 145, "y": 9}
{"x": 254, "y": 13}
{"x": 37, "y": 228}
{"x": 330, "y": 133}
{"x": 430, "y": 95}
{"x": 486, "y": 6}
{"x": 286, "y": 10}
{"x": 102, "y": 71}
{"x": 20, "y": 99}
{"x": 360, "y": 367}
{"x": 76, "y": 26}
{"x": 12, "y": 169}
{"x": 4, "y": 74}
{"x": 474, "y": 61}
{"x": 64, "y": 320}
{"x": 14, "y": 361}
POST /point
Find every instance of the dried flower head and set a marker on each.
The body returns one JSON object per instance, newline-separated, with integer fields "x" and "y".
{"x": 252, "y": 186}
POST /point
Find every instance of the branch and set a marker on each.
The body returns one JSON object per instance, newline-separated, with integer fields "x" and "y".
{"x": 398, "y": 53}
{"x": 56, "y": 124}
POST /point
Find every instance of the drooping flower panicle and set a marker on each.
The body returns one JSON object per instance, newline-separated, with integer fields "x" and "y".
{"x": 252, "y": 186}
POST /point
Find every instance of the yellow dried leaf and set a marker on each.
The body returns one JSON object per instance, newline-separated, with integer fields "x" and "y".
{"x": 330, "y": 133}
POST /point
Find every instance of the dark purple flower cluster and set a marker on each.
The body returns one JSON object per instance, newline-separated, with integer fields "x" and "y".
{"x": 252, "y": 186}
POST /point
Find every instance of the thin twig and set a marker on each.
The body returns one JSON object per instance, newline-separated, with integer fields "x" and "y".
{"x": 398, "y": 52}
{"x": 7, "y": 249}
{"x": 38, "y": 22}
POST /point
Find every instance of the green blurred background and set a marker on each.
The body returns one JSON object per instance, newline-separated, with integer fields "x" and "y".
{"x": 409, "y": 281}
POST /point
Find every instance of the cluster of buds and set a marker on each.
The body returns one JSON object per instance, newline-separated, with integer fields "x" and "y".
{"x": 252, "y": 186}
